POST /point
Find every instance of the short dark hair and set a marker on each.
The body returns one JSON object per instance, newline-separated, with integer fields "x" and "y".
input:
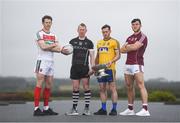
{"x": 46, "y": 17}
{"x": 82, "y": 24}
{"x": 106, "y": 26}
{"x": 136, "y": 19}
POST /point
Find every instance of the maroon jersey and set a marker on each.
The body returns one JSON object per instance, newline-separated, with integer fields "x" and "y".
{"x": 136, "y": 57}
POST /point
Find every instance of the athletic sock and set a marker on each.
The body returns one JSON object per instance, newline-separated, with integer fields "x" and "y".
{"x": 75, "y": 97}
{"x": 46, "y": 107}
{"x": 104, "y": 106}
{"x": 37, "y": 94}
{"x": 114, "y": 106}
{"x": 35, "y": 108}
{"x": 145, "y": 106}
{"x": 87, "y": 97}
{"x": 46, "y": 96}
{"x": 130, "y": 106}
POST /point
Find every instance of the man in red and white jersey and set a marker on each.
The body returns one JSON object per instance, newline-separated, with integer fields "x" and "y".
{"x": 135, "y": 47}
{"x": 47, "y": 44}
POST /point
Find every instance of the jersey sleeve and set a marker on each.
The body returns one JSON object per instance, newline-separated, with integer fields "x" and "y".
{"x": 142, "y": 39}
{"x": 97, "y": 46}
{"x": 38, "y": 36}
{"x": 127, "y": 40}
{"x": 91, "y": 45}
{"x": 56, "y": 38}
{"x": 116, "y": 45}
{"x": 70, "y": 42}
{"x": 145, "y": 41}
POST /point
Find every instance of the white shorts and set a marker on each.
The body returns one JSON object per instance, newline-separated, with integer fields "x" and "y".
{"x": 45, "y": 67}
{"x": 133, "y": 69}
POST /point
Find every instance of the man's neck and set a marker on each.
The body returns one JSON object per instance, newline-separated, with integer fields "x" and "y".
{"x": 136, "y": 33}
{"x": 45, "y": 30}
{"x": 106, "y": 39}
{"x": 82, "y": 38}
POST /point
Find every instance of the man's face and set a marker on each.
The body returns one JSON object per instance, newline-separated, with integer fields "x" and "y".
{"x": 47, "y": 24}
{"x": 136, "y": 26}
{"x": 82, "y": 31}
{"x": 106, "y": 33}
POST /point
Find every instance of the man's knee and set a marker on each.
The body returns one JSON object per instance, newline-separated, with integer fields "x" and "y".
{"x": 102, "y": 89}
{"x": 48, "y": 81}
{"x": 140, "y": 85}
{"x": 129, "y": 86}
{"x": 86, "y": 87}
{"x": 113, "y": 88}
{"x": 40, "y": 80}
{"x": 48, "y": 85}
{"x": 76, "y": 88}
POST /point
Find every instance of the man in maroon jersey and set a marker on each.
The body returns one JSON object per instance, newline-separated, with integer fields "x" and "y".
{"x": 135, "y": 47}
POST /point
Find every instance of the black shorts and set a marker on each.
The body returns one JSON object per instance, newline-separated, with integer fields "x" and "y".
{"x": 79, "y": 71}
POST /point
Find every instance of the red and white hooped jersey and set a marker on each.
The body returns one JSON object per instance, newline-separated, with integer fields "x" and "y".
{"x": 48, "y": 38}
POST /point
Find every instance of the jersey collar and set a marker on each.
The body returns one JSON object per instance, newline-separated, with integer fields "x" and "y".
{"x": 107, "y": 39}
{"x": 45, "y": 31}
{"x": 81, "y": 38}
{"x": 137, "y": 33}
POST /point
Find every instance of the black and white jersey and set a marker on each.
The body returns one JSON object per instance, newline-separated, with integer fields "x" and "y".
{"x": 81, "y": 50}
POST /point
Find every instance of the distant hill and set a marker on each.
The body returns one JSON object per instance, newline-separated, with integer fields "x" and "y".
{"x": 18, "y": 84}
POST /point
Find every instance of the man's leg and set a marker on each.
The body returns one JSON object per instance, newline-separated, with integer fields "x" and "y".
{"x": 75, "y": 97}
{"x": 46, "y": 95}
{"x": 87, "y": 91}
{"x": 114, "y": 97}
{"x": 129, "y": 80}
{"x": 112, "y": 87}
{"x": 47, "y": 91}
{"x": 140, "y": 83}
{"x": 139, "y": 77}
{"x": 37, "y": 94}
{"x": 87, "y": 95}
{"x": 75, "y": 94}
{"x": 103, "y": 96}
{"x": 75, "y": 79}
{"x": 37, "y": 90}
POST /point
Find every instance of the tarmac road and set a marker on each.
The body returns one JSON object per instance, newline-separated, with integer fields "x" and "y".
{"x": 24, "y": 113}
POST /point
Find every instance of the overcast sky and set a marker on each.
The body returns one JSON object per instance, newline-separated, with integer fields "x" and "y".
{"x": 21, "y": 19}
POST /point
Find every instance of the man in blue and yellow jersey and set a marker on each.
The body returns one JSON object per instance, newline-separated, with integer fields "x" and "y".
{"x": 108, "y": 53}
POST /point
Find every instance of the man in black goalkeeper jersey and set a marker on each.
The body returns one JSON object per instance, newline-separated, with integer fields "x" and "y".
{"x": 80, "y": 69}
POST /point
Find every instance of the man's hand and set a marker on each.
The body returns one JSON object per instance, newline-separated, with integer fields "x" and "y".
{"x": 123, "y": 48}
{"x": 64, "y": 51}
{"x": 91, "y": 72}
{"x": 109, "y": 64}
{"x": 54, "y": 44}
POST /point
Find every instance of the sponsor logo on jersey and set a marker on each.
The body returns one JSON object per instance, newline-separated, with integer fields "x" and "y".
{"x": 48, "y": 37}
{"x": 103, "y": 49}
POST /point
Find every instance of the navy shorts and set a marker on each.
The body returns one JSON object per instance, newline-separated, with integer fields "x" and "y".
{"x": 110, "y": 78}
